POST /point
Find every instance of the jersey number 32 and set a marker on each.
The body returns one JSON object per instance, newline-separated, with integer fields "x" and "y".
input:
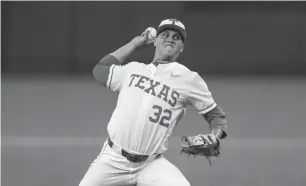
{"x": 161, "y": 116}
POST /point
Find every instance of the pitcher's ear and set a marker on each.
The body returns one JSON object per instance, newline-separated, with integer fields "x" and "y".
{"x": 182, "y": 48}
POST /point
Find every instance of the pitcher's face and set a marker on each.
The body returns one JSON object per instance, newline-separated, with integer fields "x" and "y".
{"x": 169, "y": 43}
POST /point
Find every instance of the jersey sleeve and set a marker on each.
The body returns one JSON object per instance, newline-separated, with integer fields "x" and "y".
{"x": 199, "y": 95}
{"x": 110, "y": 73}
{"x": 117, "y": 75}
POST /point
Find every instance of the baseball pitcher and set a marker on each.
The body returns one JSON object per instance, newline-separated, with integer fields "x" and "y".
{"x": 152, "y": 100}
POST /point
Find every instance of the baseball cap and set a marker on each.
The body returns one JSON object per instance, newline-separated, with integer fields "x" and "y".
{"x": 172, "y": 24}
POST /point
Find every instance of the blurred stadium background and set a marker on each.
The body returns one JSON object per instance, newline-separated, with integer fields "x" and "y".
{"x": 54, "y": 114}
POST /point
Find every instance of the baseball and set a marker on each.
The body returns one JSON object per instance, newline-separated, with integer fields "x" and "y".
{"x": 152, "y": 34}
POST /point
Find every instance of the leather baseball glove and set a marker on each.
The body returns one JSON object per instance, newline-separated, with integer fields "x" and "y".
{"x": 206, "y": 145}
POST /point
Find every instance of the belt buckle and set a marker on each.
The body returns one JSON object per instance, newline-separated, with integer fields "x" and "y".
{"x": 134, "y": 157}
{"x": 131, "y": 157}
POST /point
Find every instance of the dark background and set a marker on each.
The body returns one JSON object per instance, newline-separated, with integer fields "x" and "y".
{"x": 54, "y": 114}
{"x": 223, "y": 37}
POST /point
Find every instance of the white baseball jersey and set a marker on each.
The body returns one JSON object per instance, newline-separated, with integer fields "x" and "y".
{"x": 151, "y": 101}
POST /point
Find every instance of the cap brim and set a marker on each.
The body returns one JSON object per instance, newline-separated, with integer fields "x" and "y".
{"x": 180, "y": 30}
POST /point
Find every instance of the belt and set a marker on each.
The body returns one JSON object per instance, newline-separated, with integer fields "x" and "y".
{"x": 136, "y": 158}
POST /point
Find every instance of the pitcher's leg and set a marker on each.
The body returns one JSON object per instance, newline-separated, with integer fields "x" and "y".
{"x": 161, "y": 172}
{"x": 106, "y": 170}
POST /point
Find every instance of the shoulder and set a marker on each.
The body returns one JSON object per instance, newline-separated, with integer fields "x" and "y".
{"x": 130, "y": 66}
{"x": 191, "y": 76}
{"x": 181, "y": 67}
{"x": 185, "y": 71}
{"x": 134, "y": 64}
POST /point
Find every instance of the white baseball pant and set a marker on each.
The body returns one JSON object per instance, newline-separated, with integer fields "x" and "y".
{"x": 110, "y": 168}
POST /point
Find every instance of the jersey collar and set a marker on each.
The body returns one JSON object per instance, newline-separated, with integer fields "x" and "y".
{"x": 152, "y": 68}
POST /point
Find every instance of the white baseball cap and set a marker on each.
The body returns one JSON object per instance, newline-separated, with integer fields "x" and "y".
{"x": 172, "y": 24}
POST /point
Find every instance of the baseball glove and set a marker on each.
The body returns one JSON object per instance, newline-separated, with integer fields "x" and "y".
{"x": 201, "y": 145}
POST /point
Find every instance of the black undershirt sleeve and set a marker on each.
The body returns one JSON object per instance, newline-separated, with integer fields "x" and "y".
{"x": 217, "y": 120}
{"x": 102, "y": 69}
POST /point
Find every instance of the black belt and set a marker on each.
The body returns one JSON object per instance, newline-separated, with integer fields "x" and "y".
{"x": 131, "y": 157}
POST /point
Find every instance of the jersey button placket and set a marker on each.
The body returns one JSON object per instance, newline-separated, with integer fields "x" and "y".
{"x": 152, "y": 70}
